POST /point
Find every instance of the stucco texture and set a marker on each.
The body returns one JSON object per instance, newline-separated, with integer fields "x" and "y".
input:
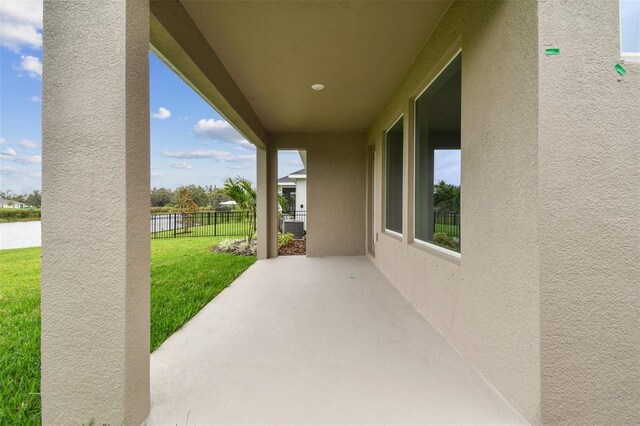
{"x": 95, "y": 229}
{"x": 589, "y": 233}
{"x": 486, "y": 302}
{"x": 335, "y": 190}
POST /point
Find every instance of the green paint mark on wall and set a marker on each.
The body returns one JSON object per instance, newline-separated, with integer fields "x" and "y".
{"x": 620, "y": 69}
{"x": 552, "y": 51}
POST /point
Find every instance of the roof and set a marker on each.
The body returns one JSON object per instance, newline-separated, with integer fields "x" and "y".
{"x": 288, "y": 180}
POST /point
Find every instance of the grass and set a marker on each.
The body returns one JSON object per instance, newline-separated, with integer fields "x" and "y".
{"x": 185, "y": 276}
{"x": 20, "y": 336}
{"x": 451, "y": 230}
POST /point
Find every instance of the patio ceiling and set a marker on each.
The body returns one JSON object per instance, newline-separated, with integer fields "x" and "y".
{"x": 359, "y": 50}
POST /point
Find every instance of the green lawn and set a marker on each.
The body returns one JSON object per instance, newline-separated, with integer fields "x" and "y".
{"x": 185, "y": 276}
{"x": 451, "y": 230}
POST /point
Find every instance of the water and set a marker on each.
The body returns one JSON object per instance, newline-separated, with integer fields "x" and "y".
{"x": 19, "y": 235}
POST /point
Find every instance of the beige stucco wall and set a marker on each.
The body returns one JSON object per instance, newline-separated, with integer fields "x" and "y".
{"x": 95, "y": 222}
{"x": 589, "y": 234}
{"x": 486, "y": 303}
{"x": 335, "y": 190}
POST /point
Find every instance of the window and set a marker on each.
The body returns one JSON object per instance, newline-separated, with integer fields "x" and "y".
{"x": 437, "y": 159}
{"x": 393, "y": 176}
{"x": 630, "y": 29}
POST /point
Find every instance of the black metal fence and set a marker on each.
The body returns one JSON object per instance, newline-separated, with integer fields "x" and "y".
{"x": 202, "y": 224}
{"x": 293, "y": 215}
{"x": 447, "y": 222}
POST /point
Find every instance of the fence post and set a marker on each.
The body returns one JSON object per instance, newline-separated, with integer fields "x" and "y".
{"x": 215, "y": 224}
{"x": 175, "y": 225}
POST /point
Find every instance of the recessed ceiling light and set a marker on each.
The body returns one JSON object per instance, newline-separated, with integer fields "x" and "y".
{"x": 317, "y": 86}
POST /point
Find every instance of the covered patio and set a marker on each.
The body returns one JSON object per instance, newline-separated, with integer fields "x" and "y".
{"x": 341, "y": 346}
{"x": 541, "y": 298}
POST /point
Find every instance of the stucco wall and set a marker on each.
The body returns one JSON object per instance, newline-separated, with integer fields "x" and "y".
{"x": 589, "y": 167}
{"x": 486, "y": 303}
{"x": 335, "y": 190}
{"x": 95, "y": 221}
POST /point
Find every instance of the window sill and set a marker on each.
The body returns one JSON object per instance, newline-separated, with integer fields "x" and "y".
{"x": 392, "y": 234}
{"x": 630, "y": 57}
{"x": 443, "y": 253}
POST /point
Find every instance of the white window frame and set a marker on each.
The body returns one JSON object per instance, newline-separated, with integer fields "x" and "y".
{"x": 625, "y": 56}
{"x": 416, "y": 240}
{"x": 387, "y": 231}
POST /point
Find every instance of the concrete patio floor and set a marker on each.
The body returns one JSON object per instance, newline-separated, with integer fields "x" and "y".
{"x": 299, "y": 340}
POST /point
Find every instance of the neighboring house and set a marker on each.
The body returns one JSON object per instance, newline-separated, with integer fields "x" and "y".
{"x": 11, "y": 204}
{"x": 294, "y": 188}
{"x": 543, "y": 298}
{"x": 228, "y": 204}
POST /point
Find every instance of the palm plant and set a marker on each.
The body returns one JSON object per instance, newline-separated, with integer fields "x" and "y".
{"x": 241, "y": 191}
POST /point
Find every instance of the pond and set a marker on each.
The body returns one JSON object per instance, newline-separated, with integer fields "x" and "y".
{"x": 19, "y": 235}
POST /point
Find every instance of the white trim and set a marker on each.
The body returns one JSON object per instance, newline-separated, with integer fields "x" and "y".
{"x": 438, "y": 248}
{"x": 455, "y": 55}
{"x": 630, "y": 56}
{"x": 286, "y": 184}
{"x": 393, "y": 124}
{"x": 297, "y": 176}
{"x": 393, "y": 233}
{"x": 384, "y": 173}
{"x": 452, "y": 253}
{"x": 625, "y": 56}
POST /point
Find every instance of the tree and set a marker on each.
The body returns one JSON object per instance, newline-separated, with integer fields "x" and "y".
{"x": 241, "y": 191}
{"x": 34, "y": 199}
{"x": 160, "y": 197}
{"x": 446, "y": 197}
{"x": 188, "y": 207}
{"x": 198, "y": 195}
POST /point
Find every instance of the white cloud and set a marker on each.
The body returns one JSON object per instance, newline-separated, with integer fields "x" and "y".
{"x": 31, "y": 65}
{"x": 3, "y": 141}
{"x": 9, "y": 152}
{"x": 156, "y": 174}
{"x": 162, "y": 114}
{"x": 26, "y": 143}
{"x": 222, "y": 156}
{"x": 180, "y": 165}
{"x": 21, "y": 24}
{"x": 6, "y": 170}
{"x": 32, "y": 159}
{"x": 35, "y": 99}
{"x": 219, "y": 130}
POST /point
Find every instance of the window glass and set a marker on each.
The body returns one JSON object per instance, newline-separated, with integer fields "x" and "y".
{"x": 393, "y": 173}
{"x": 630, "y": 28}
{"x": 438, "y": 160}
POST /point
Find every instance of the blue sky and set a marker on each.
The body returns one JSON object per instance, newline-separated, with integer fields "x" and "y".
{"x": 190, "y": 141}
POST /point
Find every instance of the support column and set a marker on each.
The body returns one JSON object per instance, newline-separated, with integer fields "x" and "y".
{"x": 267, "y": 185}
{"x": 262, "y": 208}
{"x": 95, "y": 227}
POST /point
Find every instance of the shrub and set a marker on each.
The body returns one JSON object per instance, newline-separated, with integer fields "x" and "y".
{"x": 9, "y": 215}
{"x": 238, "y": 247}
{"x": 284, "y": 239}
{"x": 443, "y": 240}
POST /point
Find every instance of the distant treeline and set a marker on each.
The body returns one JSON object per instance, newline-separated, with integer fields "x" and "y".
{"x": 164, "y": 200}
{"x": 33, "y": 199}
